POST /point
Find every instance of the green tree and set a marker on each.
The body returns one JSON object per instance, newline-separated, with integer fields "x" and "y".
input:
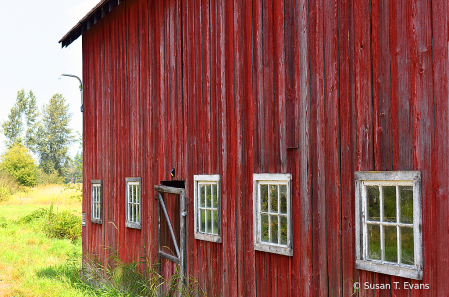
{"x": 22, "y": 118}
{"x": 18, "y": 162}
{"x": 54, "y": 136}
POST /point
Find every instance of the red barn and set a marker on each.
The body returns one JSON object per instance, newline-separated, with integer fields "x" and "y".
{"x": 299, "y": 148}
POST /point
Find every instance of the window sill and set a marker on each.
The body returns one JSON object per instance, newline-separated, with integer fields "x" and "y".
{"x": 390, "y": 269}
{"x": 96, "y": 221}
{"x": 208, "y": 237}
{"x": 274, "y": 249}
{"x": 133, "y": 225}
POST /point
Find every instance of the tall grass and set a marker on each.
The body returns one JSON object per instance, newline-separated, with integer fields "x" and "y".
{"x": 8, "y": 185}
{"x": 58, "y": 195}
{"x": 133, "y": 279}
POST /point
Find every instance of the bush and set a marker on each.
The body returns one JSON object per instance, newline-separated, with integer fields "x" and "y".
{"x": 35, "y": 215}
{"x": 8, "y": 186}
{"x": 49, "y": 178}
{"x": 3, "y": 222}
{"x": 62, "y": 225}
{"x": 18, "y": 162}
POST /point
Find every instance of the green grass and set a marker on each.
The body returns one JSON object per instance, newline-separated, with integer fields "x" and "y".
{"x": 40, "y": 253}
{"x": 32, "y": 263}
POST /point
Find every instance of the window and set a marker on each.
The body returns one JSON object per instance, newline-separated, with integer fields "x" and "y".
{"x": 96, "y": 201}
{"x": 207, "y": 207}
{"x": 388, "y": 223}
{"x": 272, "y": 213}
{"x": 133, "y": 203}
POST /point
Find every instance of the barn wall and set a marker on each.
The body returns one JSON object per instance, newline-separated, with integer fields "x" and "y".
{"x": 319, "y": 89}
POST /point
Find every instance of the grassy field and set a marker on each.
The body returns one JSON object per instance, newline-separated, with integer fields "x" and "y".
{"x": 31, "y": 262}
{"x": 36, "y": 259}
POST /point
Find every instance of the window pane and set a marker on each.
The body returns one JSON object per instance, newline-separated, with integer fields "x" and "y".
{"x": 208, "y": 196}
{"x": 137, "y": 194}
{"x": 274, "y": 198}
{"x": 283, "y": 193}
{"x": 131, "y": 206}
{"x": 374, "y": 242}
{"x": 214, "y": 190}
{"x": 283, "y": 230}
{"x": 99, "y": 194}
{"x": 134, "y": 212}
{"x": 389, "y": 193}
{"x": 407, "y": 247}
{"x": 133, "y": 193}
{"x": 202, "y": 196}
{"x": 274, "y": 229}
{"x": 264, "y": 226}
{"x": 129, "y": 209}
{"x": 264, "y": 197}
{"x": 406, "y": 204}
{"x": 372, "y": 195}
{"x": 138, "y": 213}
{"x": 209, "y": 221}
{"x": 203, "y": 221}
{"x": 215, "y": 215}
{"x": 391, "y": 243}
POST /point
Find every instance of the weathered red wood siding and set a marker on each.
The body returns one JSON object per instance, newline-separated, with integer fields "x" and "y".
{"x": 319, "y": 89}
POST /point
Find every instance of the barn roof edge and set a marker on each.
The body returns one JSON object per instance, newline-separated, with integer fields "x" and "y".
{"x": 92, "y": 17}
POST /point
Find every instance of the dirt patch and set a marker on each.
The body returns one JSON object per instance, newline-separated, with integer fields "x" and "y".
{"x": 5, "y": 287}
{"x": 5, "y": 281}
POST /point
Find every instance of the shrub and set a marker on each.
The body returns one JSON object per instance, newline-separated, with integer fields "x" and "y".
{"x": 49, "y": 178}
{"x": 4, "y": 193}
{"x": 3, "y": 222}
{"x": 8, "y": 185}
{"x": 18, "y": 162}
{"x": 35, "y": 215}
{"x": 63, "y": 224}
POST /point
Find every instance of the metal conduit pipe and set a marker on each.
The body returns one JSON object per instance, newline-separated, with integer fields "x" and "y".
{"x": 81, "y": 87}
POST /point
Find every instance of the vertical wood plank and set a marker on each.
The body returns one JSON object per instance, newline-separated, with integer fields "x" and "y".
{"x": 332, "y": 149}
{"x": 107, "y": 164}
{"x": 97, "y": 157}
{"x": 383, "y": 137}
{"x": 231, "y": 253}
{"x": 320, "y": 273}
{"x": 401, "y": 85}
{"x": 304, "y": 269}
{"x": 348, "y": 142}
{"x": 430, "y": 109}
{"x": 222, "y": 155}
{"x": 283, "y": 273}
{"x": 123, "y": 127}
{"x": 381, "y": 61}
{"x": 239, "y": 115}
{"x": 362, "y": 48}
{"x": 258, "y": 91}
{"x": 86, "y": 143}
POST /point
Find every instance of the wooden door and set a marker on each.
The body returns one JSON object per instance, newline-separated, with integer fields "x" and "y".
{"x": 171, "y": 214}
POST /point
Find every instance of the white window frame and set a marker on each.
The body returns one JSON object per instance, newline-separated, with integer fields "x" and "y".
{"x": 388, "y": 178}
{"x": 272, "y": 179}
{"x": 96, "y": 198}
{"x": 136, "y": 206}
{"x": 207, "y": 179}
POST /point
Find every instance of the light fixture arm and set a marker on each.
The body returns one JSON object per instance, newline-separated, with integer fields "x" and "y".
{"x": 81, "y": 87}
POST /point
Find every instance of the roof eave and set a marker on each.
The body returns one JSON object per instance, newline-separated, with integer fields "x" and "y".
{"x": 97, "y": 13}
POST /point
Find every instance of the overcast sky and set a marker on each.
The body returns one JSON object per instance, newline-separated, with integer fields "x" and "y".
{"x": 31, "y": 57}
